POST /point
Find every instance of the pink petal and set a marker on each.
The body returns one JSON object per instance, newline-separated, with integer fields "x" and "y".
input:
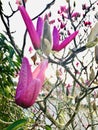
{"x": 30, "y": 27}
{"x": 28, "y": 96}
{"x": 67, "y": 41}
{"x": 25, "y": 75}
{"x": 52, "y": 21}
{"x": 55, "y": 38}
{"x": 29, "y": 86}
{"x": 30, "y": 49}
{"x": 76, "y": 14}
{"x": 39, "y": 72}
{"x": 39, "y": 27}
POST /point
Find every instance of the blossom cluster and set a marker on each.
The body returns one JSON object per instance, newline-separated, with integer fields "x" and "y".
{"x": 30, "y": 83}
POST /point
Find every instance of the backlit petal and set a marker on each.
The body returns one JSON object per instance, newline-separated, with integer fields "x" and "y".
{"x": 28, "y": 96}
{"x": 67, "y": 41}
{"x": 25, "y": 75}
{"x": 55, "y": 38}
{"x": 39, "y": 72}
{"x": 30, "y": 27}
{"x": 39, "y": 27}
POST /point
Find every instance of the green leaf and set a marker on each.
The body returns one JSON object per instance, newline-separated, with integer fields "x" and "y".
{"x": 47, "y": 127}
{"x": 17, "y": 124}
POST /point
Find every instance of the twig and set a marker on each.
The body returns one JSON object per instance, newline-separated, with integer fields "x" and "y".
{"x": 9, "y": 35}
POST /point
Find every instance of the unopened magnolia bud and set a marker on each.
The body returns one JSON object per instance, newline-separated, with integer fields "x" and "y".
{"x": 46, "y": 44}
{"x": 94, "y": 106}
{"x": 96, "y": 54}
{"x": 74, "y": 4}
{"x": 93, "y": 34}
{"x": 91, "y": 74}
{"x": 93, "y": 37}
{"x": 46, "y": 32}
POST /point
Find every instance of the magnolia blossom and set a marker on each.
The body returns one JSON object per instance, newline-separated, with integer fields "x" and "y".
{"x": 87, "y": 23}
{"x": 75, "y": 14}
{"x": 59, "y": 46}
{"x": 36, "y": 34}
{"x": 29, "y": 84}
{"x": 84, "y": 7}
{"x": 30, "y": 49}
{"x": 62, "y": 9}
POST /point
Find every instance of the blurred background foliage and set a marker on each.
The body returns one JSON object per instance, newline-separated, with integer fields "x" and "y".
{"x": 9, "y": 67}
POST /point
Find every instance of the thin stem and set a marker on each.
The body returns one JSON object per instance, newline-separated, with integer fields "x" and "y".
{"x": 50, "y": 117}
{"x": 9, "y": 35}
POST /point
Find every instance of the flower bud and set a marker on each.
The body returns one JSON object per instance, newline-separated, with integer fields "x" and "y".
{"x": 46, "y": 32}
{"x": 93, "y": 37}
{"x": 93, "y": 34}
{"x": 91, "y": 74}
{"x": 94, "y": 106}
{"x": 46, "y": 44}
{"x": 96, "y": 54}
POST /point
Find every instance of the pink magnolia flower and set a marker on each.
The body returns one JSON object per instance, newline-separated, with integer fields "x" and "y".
{"x": 29, "y": 84}
{"x": 62, "y": 25}
{"x": 84, "y": 7}
{"x": 52, "y": 21}
{"x": 87, "y": 23}
{"x": 35, "y": 35}
{"x": 75, "y": 15}
{"x": 30, "y": 49}
{"x": 59, "y": 46}
{"x": 62, "y": 9}
{"x": 47, "y": 16}
{"x": 30, "y": 27}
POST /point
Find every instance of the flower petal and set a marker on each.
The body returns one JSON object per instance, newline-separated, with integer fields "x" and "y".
{"x": 28, "y": 96}
{"x": 39, "y": 27}
{"x": 67, "y": 41}
{"x": 30, "y": 27}
{"x": 25, "y": 75}
{"x": 39, "y": 72}
{"x": 55, "y": 39}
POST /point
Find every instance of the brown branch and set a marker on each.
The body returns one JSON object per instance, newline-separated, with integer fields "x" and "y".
{"x": 9, "y": 35}
{"x": 50, "y": 117}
